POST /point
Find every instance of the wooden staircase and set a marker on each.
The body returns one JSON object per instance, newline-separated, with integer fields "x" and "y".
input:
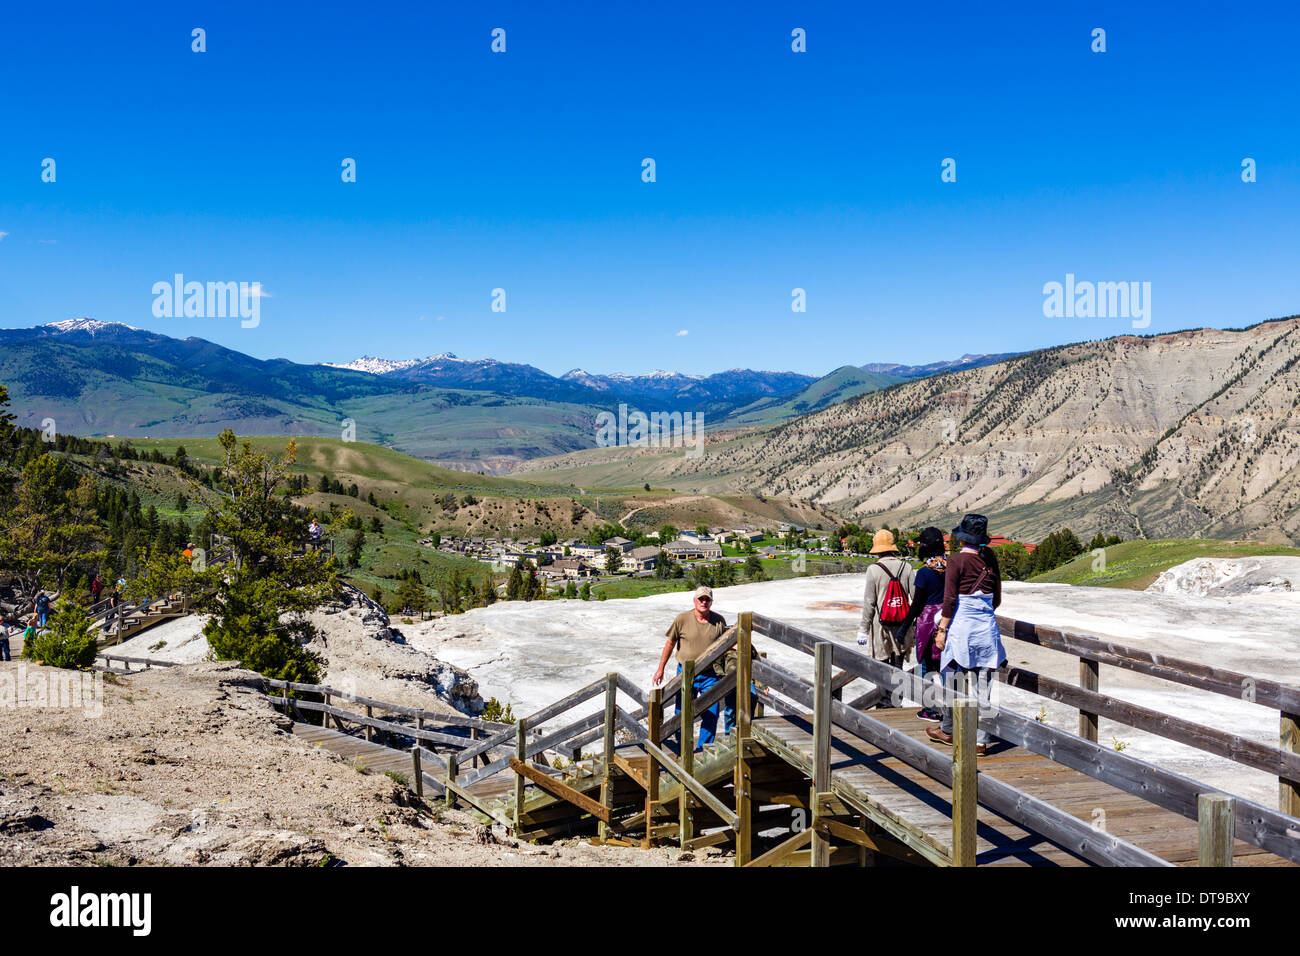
{"x": 131, "y": 620}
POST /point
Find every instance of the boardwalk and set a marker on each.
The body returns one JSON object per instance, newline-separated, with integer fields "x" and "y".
{"x": 903, "y": 800}
{"x": 822, "y": 777}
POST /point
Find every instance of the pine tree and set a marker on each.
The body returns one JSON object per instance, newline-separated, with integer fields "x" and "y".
{"x": 356, "y": 544}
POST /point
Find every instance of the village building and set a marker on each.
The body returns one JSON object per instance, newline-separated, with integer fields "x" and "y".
{"x": 641, "y": 559}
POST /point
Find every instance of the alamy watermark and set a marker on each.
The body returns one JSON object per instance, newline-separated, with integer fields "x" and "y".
{"x": 74, "y": 908}
{"x": 1098, "y": 300}
{"x": 656, "y": 430}
{"x": 211, "y": 300}
{"x": 52, "y": 687}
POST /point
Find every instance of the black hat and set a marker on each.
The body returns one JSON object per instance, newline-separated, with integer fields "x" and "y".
{"x": 973, "y": 530}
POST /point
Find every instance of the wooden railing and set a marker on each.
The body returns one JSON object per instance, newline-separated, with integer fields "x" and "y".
{"x": 1260, "y": 826}
{"x": 144, "y": 662}
{"x": 369, "y": 723}
{"x": 510, "y": 747}
{"x": 1282, "y": 761}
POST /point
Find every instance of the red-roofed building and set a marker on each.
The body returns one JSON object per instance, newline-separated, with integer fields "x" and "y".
{"x": 994, "y": 541}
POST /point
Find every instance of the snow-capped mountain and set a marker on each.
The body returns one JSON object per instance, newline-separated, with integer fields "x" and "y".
{"x": 671, "y": 389}
{"x": 678, "y": 386}
{"x": 935, "y": 368}
{"x": 89, "y": 326}
{"x": 658, "y": 379}
{"x": 375, "y": 366}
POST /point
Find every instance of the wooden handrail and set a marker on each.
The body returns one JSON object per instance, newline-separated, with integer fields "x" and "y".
{"x": 537, "y": 746}
{"x": 1249, "y": 753}
{"x": 701, "y": 703}
{"x": 136, "y": 660}
{"x": 690, "y": 783}
{"x": 1284, "y": 762}
{"x": 1257, "y": 825}
{"x": 452, "y": 719}
{"x": 379, "y": 724}
{"x": 1217, "y": 680}
{"x": 580, "y": 696}
{"x": 1054, "y": 824}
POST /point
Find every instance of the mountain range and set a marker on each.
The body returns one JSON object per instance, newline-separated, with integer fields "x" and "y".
{"x": 1185, "y": 434}
{"x": 1193, "y": 433}
{"x": 98, "y": 378}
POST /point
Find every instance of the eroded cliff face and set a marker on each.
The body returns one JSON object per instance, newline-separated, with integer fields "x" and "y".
{"x": 367, "y": 655}
{"x": 1188, "y": 433}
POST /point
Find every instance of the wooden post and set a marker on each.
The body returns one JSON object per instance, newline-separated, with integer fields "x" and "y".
{"x": 453, "y": 768}
{"x": 368, "y": 727}
{"x": 607, "y": 784}
{"x": 966, "y": 715}
{"x": 415, "y": 769}
{"x": 654, "y": 725}
{"x": 821, "y": 775}
{"x": 687, "y": 739}
{"x": 1089, "y": 679}
{"x": 325, "y": 714}
{"x": 1217, "y": 824}
{"x": 1289, "y": 790}
{"x": 521, "y": 752}
{"x": 473, "y": 735}
{"x": 743, "y": 779}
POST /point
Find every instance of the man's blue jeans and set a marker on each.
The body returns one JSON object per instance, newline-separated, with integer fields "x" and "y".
{"x": 709, "y": 718}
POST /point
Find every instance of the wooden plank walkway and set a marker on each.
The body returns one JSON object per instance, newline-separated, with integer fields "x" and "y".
{"x": 544, "y": 813}
{"x": 366, "y": 753}
{"x": 892, "y": 793}
{"x": 378, "y": 758}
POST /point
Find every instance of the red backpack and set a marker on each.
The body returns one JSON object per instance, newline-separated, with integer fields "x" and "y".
{"x": 894, "y": 608}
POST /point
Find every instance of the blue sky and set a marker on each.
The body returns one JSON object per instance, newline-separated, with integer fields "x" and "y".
{"x": 775, "y": 170}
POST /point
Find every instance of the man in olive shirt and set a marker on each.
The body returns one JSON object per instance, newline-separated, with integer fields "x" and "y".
{"x": 692, "y": 632}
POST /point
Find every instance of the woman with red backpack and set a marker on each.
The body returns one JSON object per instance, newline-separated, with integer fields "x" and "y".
{"x": 968, "y": 634}
{"x": 886, "y": 601}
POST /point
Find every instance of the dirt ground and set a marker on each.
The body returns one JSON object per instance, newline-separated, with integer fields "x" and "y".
{"x": 187, "y": 766}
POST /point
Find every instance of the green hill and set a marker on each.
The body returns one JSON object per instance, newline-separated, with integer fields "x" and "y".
{"x": 1134, "y": 565}
{"x": 838, "y": 386}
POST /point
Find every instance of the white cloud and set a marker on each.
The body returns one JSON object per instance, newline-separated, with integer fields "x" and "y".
{"x": 2, "y": 236}
{"x": 684, "y": 332}
{"x": 47, "y": 242}
{"x": 257, "y": 292}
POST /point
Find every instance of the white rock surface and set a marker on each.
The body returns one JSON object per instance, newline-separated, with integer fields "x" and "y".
{"x": 180, "y": 640}
{"x": 1270, "y": 577}
{"x": 364, "y": 655}
{"x": 1233, "y": 614}
{"x": 529, "y": 654}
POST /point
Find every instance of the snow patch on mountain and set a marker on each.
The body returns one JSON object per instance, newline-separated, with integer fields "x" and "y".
{"x": 90, "y": 326}
{"x": 375, "y": 366}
